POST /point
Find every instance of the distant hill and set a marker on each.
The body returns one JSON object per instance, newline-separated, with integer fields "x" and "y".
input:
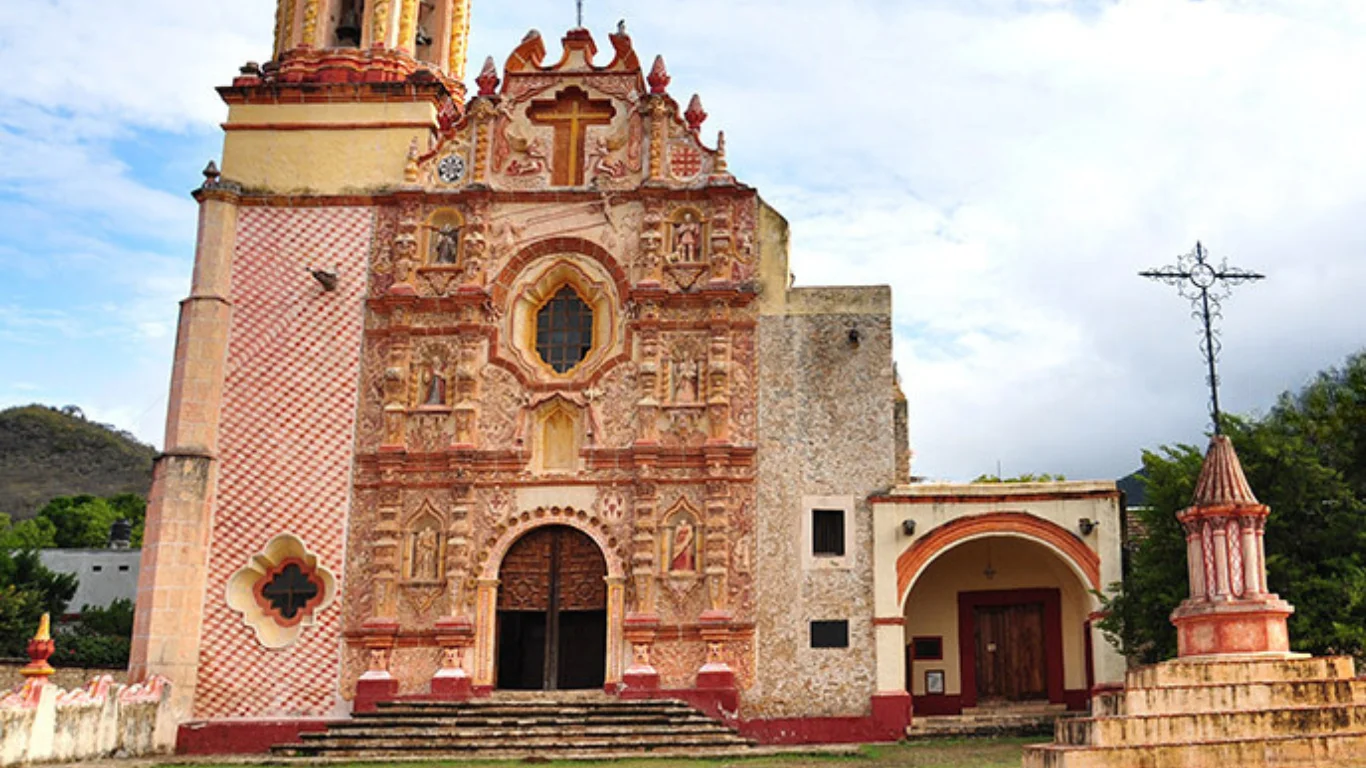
{"x": 47, "y": 452}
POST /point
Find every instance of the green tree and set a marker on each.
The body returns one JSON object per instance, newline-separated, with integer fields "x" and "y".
{"x": 1025, "y": 478}
{"x": 102, "y": 638}
{"x": 38, "y": 533}
{"x": 82, "y": 522}
{"x": 1306, "y": 459}
{"x": 27, "y": 591}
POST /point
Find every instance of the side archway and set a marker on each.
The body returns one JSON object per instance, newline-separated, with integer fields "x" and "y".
{"x": 917, "y": 557}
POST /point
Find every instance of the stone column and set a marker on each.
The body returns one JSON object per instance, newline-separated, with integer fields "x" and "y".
{"x": 485, "y": 621}
{"x": 173, "y": 579}
{"x": 616, "y": 614}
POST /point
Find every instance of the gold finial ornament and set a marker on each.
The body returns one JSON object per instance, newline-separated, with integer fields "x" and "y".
{"x": 44, "y": 628}
{"x": 460, "y": 38}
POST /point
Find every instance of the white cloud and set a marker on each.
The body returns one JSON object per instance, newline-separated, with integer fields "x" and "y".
{"x": 1008, "y": 167}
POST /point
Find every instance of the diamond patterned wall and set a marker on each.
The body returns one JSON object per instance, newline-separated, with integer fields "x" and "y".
{"x": 286, "y": 436}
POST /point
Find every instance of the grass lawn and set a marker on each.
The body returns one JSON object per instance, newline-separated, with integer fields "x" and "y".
{"x": 945, "y": 753}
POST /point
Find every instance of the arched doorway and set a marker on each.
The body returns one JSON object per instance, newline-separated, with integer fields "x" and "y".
{"x": 552, "y": 612}
{"x": 997, "y": 620}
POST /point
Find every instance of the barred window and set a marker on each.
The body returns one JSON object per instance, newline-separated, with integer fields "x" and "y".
{"x": 564, "y": 330}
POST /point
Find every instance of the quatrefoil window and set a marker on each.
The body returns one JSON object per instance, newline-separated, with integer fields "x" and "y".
{"x": 290, "y": 591}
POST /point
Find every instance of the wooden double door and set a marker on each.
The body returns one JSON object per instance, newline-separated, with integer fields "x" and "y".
{"x": 1012, "y": 659}
{"x": 552, "y": 612}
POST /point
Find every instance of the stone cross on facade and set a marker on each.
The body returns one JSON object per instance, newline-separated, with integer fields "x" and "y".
{"x": 570, "y": 114}
{"x": 1205, "y": 286}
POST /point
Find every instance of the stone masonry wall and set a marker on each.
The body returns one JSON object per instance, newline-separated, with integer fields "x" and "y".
{"x": 826, "y": 430}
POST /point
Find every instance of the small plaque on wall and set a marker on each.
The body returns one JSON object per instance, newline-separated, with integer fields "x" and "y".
{"x": 934, "y": 682}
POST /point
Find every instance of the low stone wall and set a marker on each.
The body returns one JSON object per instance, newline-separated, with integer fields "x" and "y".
{"x": 40, "y": 721}
{"x": 74, "y": 677}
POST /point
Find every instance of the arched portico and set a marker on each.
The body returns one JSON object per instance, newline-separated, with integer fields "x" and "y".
{"x": 523, "y": 526}
{"x": 996, "y": 609}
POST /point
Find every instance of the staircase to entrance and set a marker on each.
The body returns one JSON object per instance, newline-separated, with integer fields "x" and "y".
{"x": 551, "y": 724}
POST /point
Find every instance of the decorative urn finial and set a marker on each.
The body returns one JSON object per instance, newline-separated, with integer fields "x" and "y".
{"x": 659, "y": 77}
{"x": 488, "y": 78}
{"x": 40, "y": 649}
{"x": 695, "y": 115}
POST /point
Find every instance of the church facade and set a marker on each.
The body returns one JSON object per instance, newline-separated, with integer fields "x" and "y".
{"x": 510, "y": 390}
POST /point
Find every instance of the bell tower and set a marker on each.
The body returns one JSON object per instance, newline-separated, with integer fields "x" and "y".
{"x": 432, "y": 32}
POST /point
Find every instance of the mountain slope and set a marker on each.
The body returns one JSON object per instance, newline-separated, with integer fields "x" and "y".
{"x": 45, "y": 452}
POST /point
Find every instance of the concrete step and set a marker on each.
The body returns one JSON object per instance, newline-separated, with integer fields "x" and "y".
{"x": 1230, "y": 697}
{"x": 495, "y": 746}
{"x": 1341, "y": 750}
{"x": 358, "y": 731}
{"x": 509, "y": 728}
{"x": 1179, "y": 673}
{"x": 541, "y": 755}
{"x": 947, "y": 726}
{"x": 544, "y": 720}
{"x": 1137, "y": 730}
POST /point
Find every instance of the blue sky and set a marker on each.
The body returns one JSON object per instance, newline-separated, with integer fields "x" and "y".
{"x": 1008, "y": 166}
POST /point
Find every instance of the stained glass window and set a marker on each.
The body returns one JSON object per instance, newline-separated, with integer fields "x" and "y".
{"x": 564, "y": 330}
{"x": 290, "y": 591}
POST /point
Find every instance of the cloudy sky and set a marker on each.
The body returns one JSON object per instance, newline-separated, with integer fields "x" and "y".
{"x": 1008, "y": 166}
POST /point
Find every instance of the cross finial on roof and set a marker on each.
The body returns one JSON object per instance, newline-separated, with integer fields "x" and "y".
{"x": 579, "y": 5}
{"x": 1205, "y": 285}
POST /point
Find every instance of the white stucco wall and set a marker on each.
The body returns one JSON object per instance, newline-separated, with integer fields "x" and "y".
{"x": 105, "y": 575}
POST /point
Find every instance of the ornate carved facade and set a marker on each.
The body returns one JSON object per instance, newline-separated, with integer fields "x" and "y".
{"x": 550, "y": 400}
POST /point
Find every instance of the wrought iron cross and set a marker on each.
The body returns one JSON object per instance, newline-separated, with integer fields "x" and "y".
{"x": 1205, "y": 286}
{"x": 579, "y": 5}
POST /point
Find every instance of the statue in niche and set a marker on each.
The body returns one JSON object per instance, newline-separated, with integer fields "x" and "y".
{"x": 434, "y": 386}
{"x": 687, "y": 239}
{"x": 348, "y": 24}
{"x": 685, "y": 381}
{"x": 424, "y": 567}
{"x": 446, "y": 244}
{"x": 684, "y": 558}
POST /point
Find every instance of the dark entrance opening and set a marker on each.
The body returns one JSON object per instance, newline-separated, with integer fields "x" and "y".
{"x": 552, "y": 612}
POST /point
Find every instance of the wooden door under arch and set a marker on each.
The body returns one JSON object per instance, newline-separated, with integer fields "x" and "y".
{"x": 552, "y": 612}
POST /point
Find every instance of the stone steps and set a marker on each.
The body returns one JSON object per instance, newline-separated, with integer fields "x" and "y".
{"x": 1159, "y": 729}
{"x": 1171, "y": 674}
{"x": 1228, "y": 697}
{"x": 986, "y": 723}
{"x": 508, "y": 728}
{"x": 1341, "y": 750}
{"x": 353, "y": 731}
{"x": 1249, "y": 713}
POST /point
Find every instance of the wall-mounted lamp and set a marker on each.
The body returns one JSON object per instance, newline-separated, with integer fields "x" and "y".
{"x": 1086, "y": 525}
{"x": 327, "y": 278}
{"x": 908, "y": 527}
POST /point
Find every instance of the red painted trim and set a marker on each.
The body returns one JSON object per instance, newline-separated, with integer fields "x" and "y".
{"x": 227, "y": 737}
{"x": 939, "y": 704}
{"x": 889, "y": 621}
{"x": 1002, "y": 498}
{"x": 376, "y": 126}
{"x": 1090, "y": 656}
{"x": 918, "y": 556}
{"x": 890, "y": 714}
{"x": 1076, "y": 700}
{"x": 1052, "y": 627}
